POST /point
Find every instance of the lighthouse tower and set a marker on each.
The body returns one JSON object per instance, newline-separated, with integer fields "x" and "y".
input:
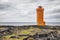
{"x": 40, "y": 16}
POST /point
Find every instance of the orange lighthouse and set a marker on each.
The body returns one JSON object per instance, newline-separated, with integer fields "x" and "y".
{"x": 40, "y": 16}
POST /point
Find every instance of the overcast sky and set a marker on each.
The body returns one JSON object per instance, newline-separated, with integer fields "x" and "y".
{"x": 25, "y": 10}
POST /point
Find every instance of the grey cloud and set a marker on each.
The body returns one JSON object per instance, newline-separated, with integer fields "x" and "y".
{"x": 27, "y": 1}
{"x": 51, "y": 0}
{"x": 57, "y": 16}
{"x": 57, "y": 3}
{"x": 53, "y": 16}
{"x": 4, "y": 6}
{"x": 56, "y": 11}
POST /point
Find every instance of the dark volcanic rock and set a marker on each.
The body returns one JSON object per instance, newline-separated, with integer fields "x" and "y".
{"x": 6, "y": 32}
{"x": 13, "y": 37}
{"x": 25, "y": 39}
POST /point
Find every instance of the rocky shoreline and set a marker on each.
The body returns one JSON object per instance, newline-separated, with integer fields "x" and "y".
{"x": 9, "y": 30}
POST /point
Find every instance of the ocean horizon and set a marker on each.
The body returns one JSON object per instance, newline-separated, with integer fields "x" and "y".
{"x": 28, "y": 23}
